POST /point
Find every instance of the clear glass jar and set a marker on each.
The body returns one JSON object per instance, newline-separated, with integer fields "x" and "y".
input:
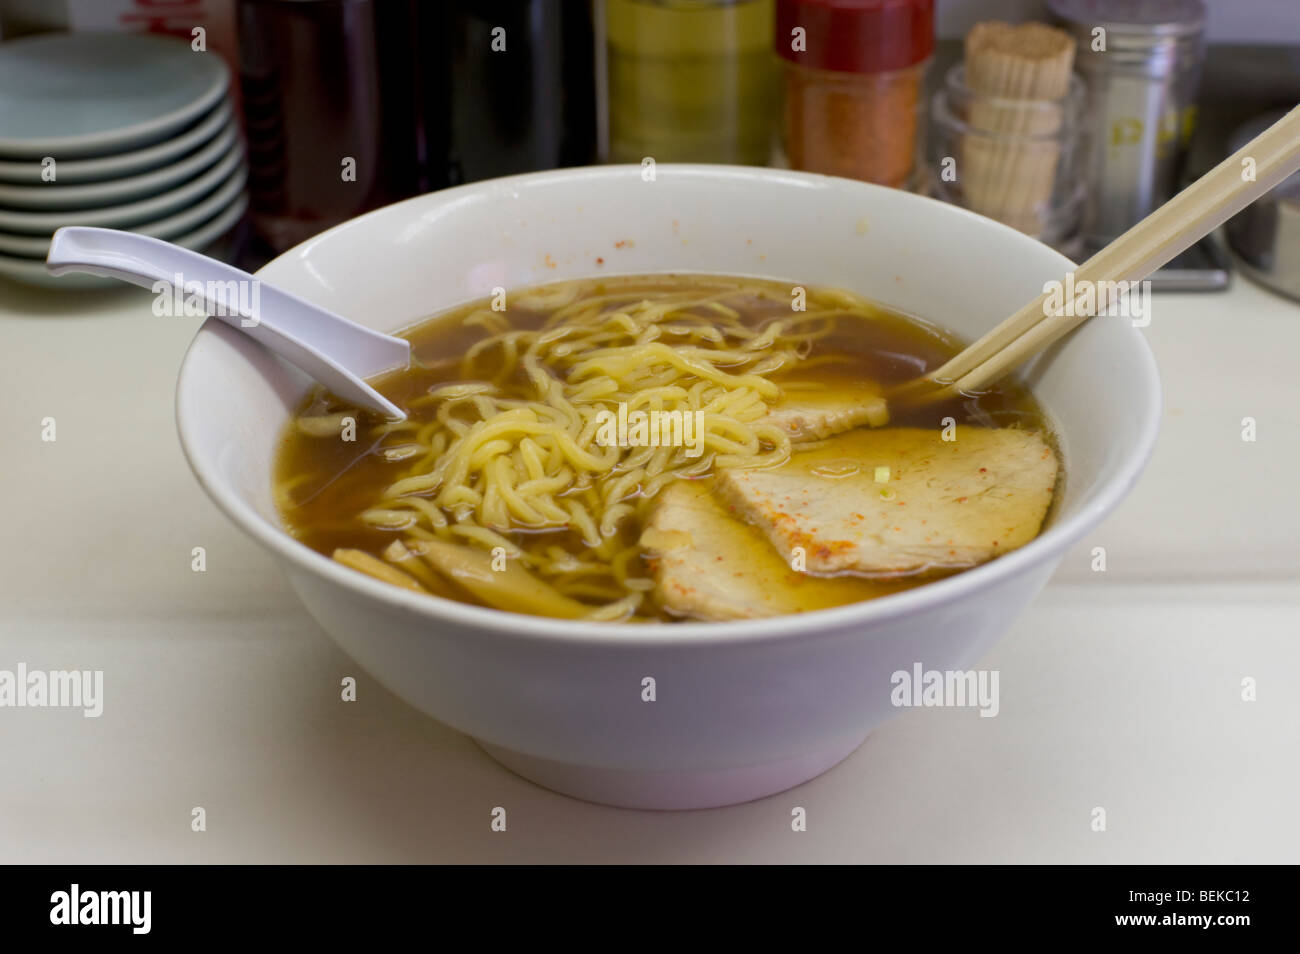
{"x": 1015, "y": 160}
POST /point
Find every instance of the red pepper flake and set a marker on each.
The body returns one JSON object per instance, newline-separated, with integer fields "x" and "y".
{"x": 599, "y": 260}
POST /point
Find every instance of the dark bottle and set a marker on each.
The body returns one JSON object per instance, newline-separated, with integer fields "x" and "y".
{"x": 414, "y": 94}
{"x": 516, "y": 89}
{"x": 329, "y": 112}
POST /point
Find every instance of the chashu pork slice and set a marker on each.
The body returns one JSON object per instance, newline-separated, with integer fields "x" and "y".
{"x": 708, "y": 565}
{"x": 901, "y": 500}
{"x": 809, "y": 414}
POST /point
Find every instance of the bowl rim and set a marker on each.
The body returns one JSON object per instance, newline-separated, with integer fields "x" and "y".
{"x": 1050, "y": 543}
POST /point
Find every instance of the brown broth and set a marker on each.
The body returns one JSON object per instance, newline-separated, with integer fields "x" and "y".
{"x": 329, "y": 482}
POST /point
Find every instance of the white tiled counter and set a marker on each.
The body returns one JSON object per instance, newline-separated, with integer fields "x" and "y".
{"x": 1119, "y": 689}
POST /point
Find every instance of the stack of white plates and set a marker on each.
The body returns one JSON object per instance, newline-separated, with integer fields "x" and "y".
{"x": 125, "y": 131}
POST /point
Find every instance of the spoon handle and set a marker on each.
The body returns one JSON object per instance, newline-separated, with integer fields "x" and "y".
{"x": 335, "y": 351}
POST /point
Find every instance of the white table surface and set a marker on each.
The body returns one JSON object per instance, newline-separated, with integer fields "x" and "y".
{"x": 1119, "y": 689}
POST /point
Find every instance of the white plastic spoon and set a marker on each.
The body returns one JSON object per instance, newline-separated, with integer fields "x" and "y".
{"x": 336, "y": 352}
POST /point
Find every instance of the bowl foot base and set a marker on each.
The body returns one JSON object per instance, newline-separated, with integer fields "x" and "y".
{"x": 672, "y": 791}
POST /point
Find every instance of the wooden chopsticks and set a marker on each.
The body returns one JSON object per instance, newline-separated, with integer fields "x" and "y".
{"x": 1169, "y": 230}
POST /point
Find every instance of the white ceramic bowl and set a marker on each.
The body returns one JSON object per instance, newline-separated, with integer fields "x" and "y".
{"x": 743, "y": 709}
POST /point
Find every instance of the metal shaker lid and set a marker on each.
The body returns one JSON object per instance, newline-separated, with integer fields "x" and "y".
{"x": 1152, "y": 38}
{"x": 1162, "y": 18}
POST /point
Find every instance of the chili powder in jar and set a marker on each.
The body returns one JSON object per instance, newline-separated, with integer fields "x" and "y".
{"x": 854, "y": 85}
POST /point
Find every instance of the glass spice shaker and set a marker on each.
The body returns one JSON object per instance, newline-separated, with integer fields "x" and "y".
{"x": 1141, "y": 63}
{"x": 854, "y": 85}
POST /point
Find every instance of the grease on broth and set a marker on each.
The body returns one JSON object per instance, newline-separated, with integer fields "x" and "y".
{"x": 325, "y": 483}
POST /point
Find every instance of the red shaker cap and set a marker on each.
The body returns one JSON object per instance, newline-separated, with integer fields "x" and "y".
{"x": 856, "y": 36}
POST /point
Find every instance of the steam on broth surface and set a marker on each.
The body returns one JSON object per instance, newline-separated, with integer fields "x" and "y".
{"x": 666, "y": 447}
